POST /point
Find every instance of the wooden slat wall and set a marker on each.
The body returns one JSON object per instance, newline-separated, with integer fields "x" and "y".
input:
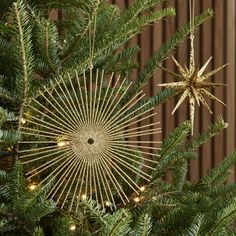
{"x": 215, "y": 38}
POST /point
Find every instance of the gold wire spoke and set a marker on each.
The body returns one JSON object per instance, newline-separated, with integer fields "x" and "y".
{"x": 80, "y": 139}
{"x": 119, "y": 124}
{"x": 104, "y": 99}
{"x": 76, "y": 171}
{"x": 60, "y": 121}
{"x": 58, "y": 112}
{"x": 113, "y": 179}
{"x": 48, "y": 164}
{"x": 121, "y": 172}
{"x": 127, "y": 165}
{"x": 47, "y": 125}
{"x": 115, "y": 119}
{"x": 49, "y": 153}
{"x": 72, "y": 107}
{"x": 78, "y": 175}
{"x": 78, "y": 103}
{"x": 62, "y": 180}
{"x": 67, "y": 103}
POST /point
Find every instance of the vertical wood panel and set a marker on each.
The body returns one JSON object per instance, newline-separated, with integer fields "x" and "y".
{"x": 205, "y": 53}
{"x": 230, "y": 76}
{"x": 168, "y": 120}
{"x": 215, "y": 38}
{"x": 218, "y": 60}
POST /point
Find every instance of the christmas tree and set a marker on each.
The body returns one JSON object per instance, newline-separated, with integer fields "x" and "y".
{"x": 75, "y": 159}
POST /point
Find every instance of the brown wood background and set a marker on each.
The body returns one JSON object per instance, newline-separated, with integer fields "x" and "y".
{"x": 215, "y": 38}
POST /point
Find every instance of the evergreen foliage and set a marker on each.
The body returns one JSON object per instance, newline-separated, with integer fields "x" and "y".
{"x": 21, "y": 209}
{"x": 36, "y": 49}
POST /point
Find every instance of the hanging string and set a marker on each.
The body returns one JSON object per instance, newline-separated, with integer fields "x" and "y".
{"x": 92, "y": 36}
{"x": 90, "y": 42}
{"x": 191, "y": 16}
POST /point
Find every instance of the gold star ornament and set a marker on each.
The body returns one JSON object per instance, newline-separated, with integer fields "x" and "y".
{"x": 192, "y": 84}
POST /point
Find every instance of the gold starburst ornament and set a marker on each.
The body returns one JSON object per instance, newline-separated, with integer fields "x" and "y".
{"x": 85, "y": 136}
{"x": 192, "y": 83}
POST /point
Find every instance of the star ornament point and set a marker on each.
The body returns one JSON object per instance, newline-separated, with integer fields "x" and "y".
{"x": 192, "y": 85}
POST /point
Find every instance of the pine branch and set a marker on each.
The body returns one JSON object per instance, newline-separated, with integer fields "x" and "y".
{"x": 9, "y": 136}
{"x": 225, "y": 217}
{"x": 118, "y": 36}
{"x": 122, "y": 61}
{"x": 213, "y": 130}
{"x": 21, "y": 31}
{"x": 175, "y": 139}
{"x": 179, "y": 174}
{"x": 214, "y": 176}
{"x": 16, "y": 182}
{"x": 7, "y": 97}
{"x": 61, "y": 226}
{"x": 142, "y": 227}
{"x": 91, "y": 20}
{"x": 169, "y": 152}
{"x": 38, "y": 231}
{"x": 131, "y": 14}
{"x": 117, "y": 224}
{"x": 156, "y": 100}
{"x": 47, "y": 43}
{"x": 94, "y": 210}
{"x": 194, "y": 229}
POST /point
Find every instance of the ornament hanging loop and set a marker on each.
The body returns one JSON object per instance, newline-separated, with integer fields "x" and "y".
{"x": 92, "y": 36}
{"x": 191, "y": 16}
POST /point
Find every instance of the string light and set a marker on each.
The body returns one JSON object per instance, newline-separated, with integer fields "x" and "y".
{"x": 107, "y": 203}
{"x": 23, "y": 121}
{"x": 62, "y": 143}
{"x": 32, "y": 187}
{"x": 72, "y": 228}
{"x": 142, "y": 189}
{"x": 137, "y": 199}
{"x": 83, "y": 197}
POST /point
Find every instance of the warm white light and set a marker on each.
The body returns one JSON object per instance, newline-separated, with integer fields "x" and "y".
{"x": 62, "y": 143}
{"x": 83, "y": 197}
{"x": 137, "y": 199}
{"x": 142, "y": 189}
{"x": 23, "y": 121}
{"x": 107, "y": 203}
{"x": 72, "y": 228}
{"x": 32, "y": 187}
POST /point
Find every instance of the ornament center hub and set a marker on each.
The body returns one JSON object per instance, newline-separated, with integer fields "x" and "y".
{"x": 90, "y": 141}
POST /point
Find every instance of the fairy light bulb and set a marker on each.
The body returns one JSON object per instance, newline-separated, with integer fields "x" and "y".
{"x": 23, "y": 121}
{"x": 62, "y": 143}
{"x": 136, "y": 199}
{"x": 32, "y": 187}
{"x": 72, "y": 228}
{"x": 142, "y": 189}
{"x": 83, "y": 197}
{"x": 107, "y": 203}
